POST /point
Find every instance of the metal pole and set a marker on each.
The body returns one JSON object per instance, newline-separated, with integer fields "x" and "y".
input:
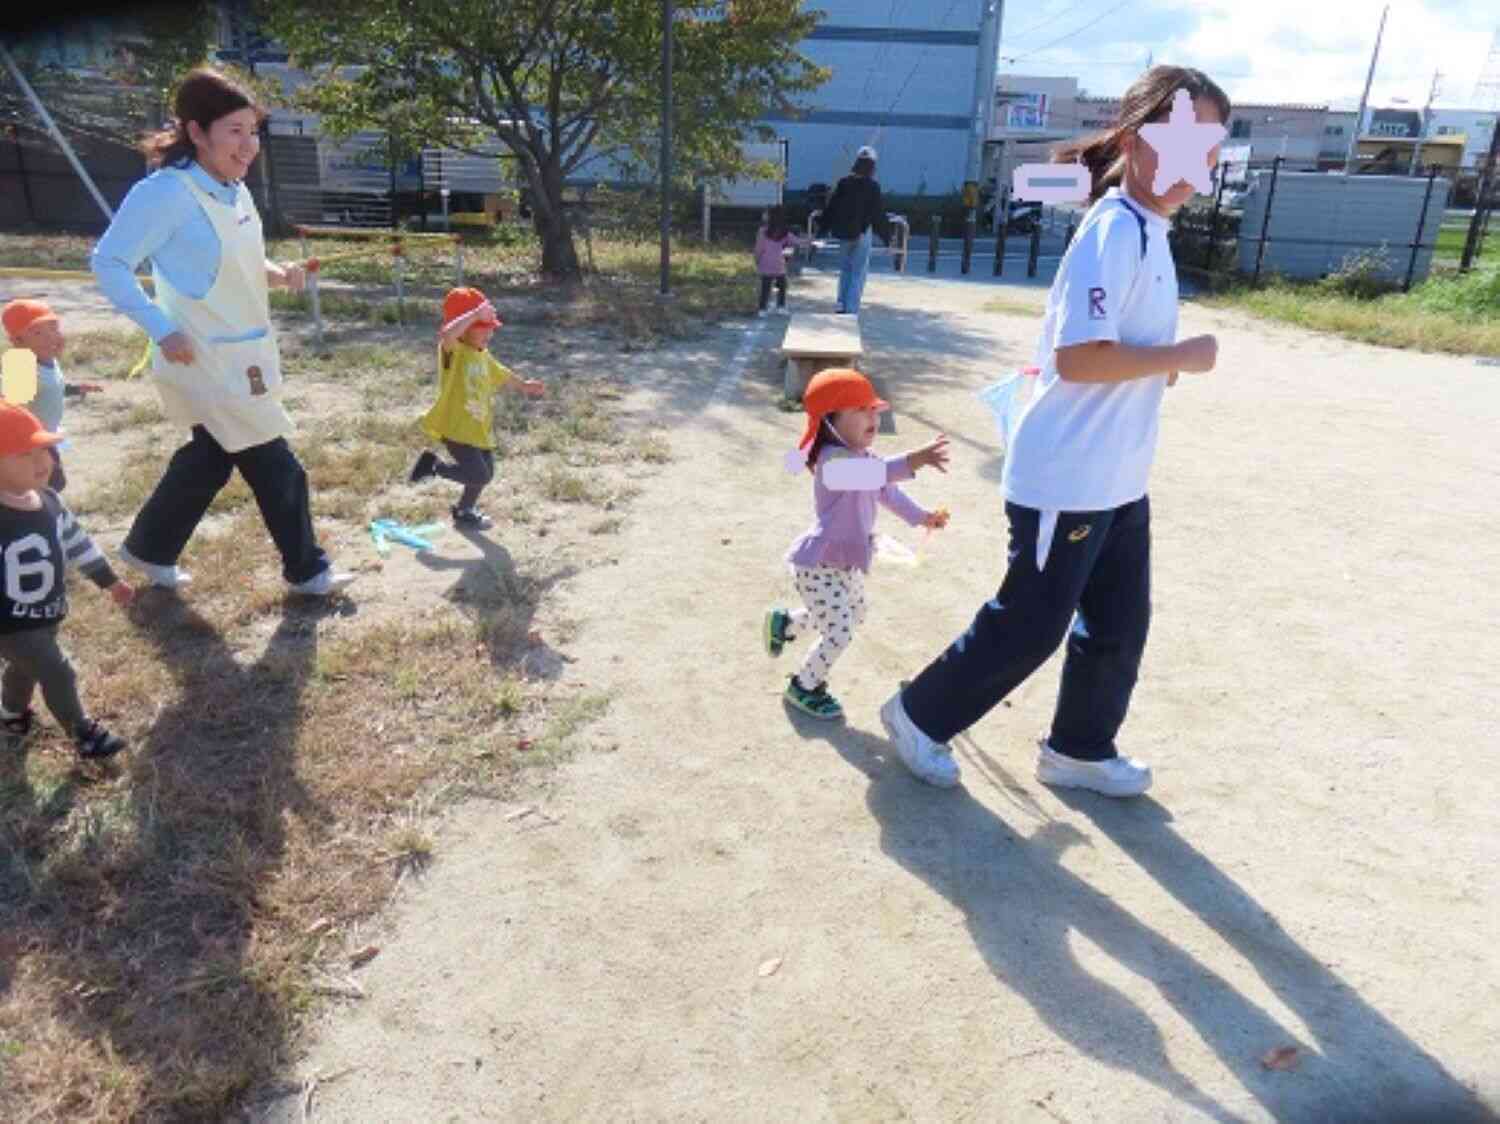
{"x": 1486, "y": 178}
{"x": 1035, "y": 250}
{"x": 1002, "y": 220}
{"x": 1068, "y": 238}
{"x": 400, "y": 287}
{"x": 666, "y": 147}
{"x": 312, "y": 297}
{"x": 1260, "y": 251}
{"x": 932, "y": 243}
{"x": 15, "y": 135}
{"x": 1213, "y": 222}
{"x": 62, "y": 141}
{"x": 970, "y": 225}
{"x": 1416, "y": 242}
{"x": 1351, "y": 154}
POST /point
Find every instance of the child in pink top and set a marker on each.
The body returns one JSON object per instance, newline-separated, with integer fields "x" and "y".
{"x": 771, "y": 243}
{"x": 830, "y": 561}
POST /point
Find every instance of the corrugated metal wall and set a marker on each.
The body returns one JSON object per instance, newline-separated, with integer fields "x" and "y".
{"x": 1319, "y": 220}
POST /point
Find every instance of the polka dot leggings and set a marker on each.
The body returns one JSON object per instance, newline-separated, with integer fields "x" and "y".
{"x": 835, "y": 601}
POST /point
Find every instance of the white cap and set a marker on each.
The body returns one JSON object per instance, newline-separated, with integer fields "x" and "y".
{"x": 864, "y": 152}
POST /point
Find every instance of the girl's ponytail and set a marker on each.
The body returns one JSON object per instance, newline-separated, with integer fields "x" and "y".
{"x": 1148, "y": 99}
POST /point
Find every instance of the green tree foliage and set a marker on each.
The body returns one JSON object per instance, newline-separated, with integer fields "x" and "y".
{"x": 558, "y": 82}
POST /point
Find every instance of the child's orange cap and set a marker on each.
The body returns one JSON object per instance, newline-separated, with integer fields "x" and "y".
{"x": 20, "y": 432}
{"x": 838, "y": 388}
{"x": 20, "y": 315}
{"x": 460, "y": 301}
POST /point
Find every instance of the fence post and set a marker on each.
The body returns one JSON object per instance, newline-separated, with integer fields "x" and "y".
{"x": 1260, "y": 251}
{"x": 1002, "y": 220}
{"x": 970, "y": 226}
{"x": 932, "y": 243}
{"x": 1416, "y": 241}
{"x": 1213, "y": 222}
{"x": 397, "y": 253}
{"x": 312, "y": 297}
{"x": 1035, "y": 250}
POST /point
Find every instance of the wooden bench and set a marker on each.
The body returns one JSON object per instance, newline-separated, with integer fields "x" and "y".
{"x": 815, "y": 342}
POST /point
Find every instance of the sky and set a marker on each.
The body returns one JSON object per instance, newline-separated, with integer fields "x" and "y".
{"x": 1309, "y": 51}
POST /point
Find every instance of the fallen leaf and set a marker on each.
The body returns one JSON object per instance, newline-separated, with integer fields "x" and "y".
{"x": 1283, "y": 1057}
{"x": 363, "y": 956}
{"x": 321, "y": 925}
{"x": 770, "y": 966}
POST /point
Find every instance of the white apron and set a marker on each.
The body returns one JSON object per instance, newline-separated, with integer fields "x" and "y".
{"x": 233, "y": 386}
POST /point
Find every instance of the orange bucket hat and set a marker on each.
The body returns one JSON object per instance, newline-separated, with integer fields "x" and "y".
{"x": 460, "y": 301}
{"x": 20, "y": 315}
{"x": 20, "y": 432}
{"x": 838, "y": 388}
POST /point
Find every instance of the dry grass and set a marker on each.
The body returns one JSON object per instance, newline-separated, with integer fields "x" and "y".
{"x": 619, "y": 295}
{"x": 171, "y": 921}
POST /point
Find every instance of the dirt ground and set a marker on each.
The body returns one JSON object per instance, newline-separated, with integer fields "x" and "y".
{"x": 727, "y": 912}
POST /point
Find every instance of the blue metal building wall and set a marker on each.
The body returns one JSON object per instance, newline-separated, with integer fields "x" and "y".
{"x": 903, "y": 81}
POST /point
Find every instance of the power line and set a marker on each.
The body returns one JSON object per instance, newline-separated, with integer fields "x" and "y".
{"x": 1077, "y": 31}
{"x": 1049, "y": 20}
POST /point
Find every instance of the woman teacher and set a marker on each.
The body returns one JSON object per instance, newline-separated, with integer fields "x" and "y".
{"x": 215, "y": 361}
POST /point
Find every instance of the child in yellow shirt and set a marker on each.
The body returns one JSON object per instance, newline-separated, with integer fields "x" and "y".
{"x": 468, "y": 377}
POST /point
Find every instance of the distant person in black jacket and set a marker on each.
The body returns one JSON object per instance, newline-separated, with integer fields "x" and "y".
{"x": 852, "y": 210}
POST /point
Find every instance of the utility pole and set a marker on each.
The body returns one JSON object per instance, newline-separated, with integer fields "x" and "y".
{"x": 666, "y": 147}
{"x": 1416, "y": 150}
{"x": 1351, "y": 156}
{"x": 984, "y": 98}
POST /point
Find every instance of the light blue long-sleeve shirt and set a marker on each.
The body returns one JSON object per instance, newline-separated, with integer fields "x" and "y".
{"x": 161, "y": 219}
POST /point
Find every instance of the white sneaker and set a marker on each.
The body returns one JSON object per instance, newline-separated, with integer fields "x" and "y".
{"x": 928, "y": 760}
{"x": 163, "y": 577}
{"x": 763, "y": 313}
{"x": 325, "y": 583}
{"x": 1118, "y": 776}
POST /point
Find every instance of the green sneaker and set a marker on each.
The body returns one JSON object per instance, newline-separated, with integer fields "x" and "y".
{"x": 818, "y": 704}
{"x": 778, "y": 621}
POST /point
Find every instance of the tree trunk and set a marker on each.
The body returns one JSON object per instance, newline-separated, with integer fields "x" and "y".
{"x": 559, "y": 255}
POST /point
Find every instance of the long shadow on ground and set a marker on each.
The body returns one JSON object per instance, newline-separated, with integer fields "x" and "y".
{"x": 1020, "y": 904}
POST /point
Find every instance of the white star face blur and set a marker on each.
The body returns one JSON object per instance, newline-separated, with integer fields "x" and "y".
{"x": 1170, "y": 160}
{"x": 229, "y": 146}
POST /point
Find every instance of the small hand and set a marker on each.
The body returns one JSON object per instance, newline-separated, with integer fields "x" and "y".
{"x": 937, "y": 520}
{"x": 1172, "y": 378}
{"x": 122, "y": 593}
{"x": 176, "y": 347}
{"x": 934, "y": 453}
{"x": 533, "y": 388}
{"x": 294, "y": 277}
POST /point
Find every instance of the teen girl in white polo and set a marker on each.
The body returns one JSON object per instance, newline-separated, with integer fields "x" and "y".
{"x": 1075, "y": 479}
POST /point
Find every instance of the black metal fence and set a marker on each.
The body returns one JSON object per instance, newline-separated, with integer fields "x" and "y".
{"x": 1210, "y": 237}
